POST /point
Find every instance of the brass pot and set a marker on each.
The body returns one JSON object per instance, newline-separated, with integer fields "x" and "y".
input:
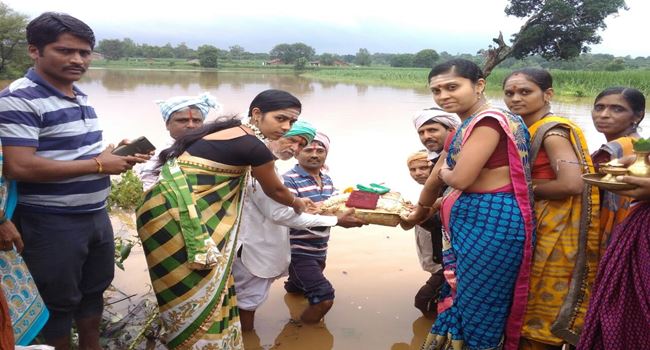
{"x": 641, "y": 165}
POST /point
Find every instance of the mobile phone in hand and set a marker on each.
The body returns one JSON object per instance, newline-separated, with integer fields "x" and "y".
{"x": 140, "y": 145}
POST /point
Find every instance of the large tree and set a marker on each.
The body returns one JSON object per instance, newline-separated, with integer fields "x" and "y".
{"x": 290, "y": 53}
{"x": 554, "y": 29}
{"x": 363, "y": 57}
{"x": 402, "y": 60}
{"x": 12, "y": 41}
{"x": 112, "y": 49}
{"x": 425, "y": 58}
{"x": 208, "y": 56}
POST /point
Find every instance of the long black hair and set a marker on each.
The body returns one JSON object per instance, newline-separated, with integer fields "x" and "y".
{"x": 462, "y": 67}
{"x": 182, "y": 143}
{"x": 540, "y": 77}
{"x": 273, "y": 100}
{"x": 266, "y": 101}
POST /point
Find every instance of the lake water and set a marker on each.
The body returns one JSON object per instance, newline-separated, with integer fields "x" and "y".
{"x": 374, "y": 269}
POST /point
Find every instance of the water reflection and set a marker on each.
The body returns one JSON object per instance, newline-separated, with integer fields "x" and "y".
{"x": 130, "y": 80}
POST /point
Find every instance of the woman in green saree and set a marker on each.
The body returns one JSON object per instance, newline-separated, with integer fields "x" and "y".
{"x": 188, "y": 221}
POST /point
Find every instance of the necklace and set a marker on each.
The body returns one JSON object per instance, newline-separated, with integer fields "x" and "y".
{"x": 256, "y": 131}
{"x": 480, "y": 109}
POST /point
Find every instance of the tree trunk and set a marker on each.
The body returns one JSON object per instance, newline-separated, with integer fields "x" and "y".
{"x": 495, "y": 55}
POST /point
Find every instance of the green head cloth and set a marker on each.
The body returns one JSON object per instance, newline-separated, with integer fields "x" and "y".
{"x": 302, "y": 129}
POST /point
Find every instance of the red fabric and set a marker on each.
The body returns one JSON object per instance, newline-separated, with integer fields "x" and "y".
{"x": 542, "y": 167}
{"x": 450, "y": 137}
{"x": 6, "y": 330}
{"x": 497, "y": 159}
{"x": 362, "y": 200}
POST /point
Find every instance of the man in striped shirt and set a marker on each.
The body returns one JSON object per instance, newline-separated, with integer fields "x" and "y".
{"x": 53, "y": 147}
{"x": 309, "y": 246}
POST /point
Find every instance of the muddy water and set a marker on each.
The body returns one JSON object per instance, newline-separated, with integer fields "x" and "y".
{"x": 374, "y": 269}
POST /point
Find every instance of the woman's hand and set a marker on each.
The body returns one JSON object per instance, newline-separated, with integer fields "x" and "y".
{"x": 642, "y": 192}
{"x": 414, "y": 217}
{"x": 444, "y": 173}
{"x": 9, "y": 237}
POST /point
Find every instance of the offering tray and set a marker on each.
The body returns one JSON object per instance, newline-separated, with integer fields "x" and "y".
{"x": 388, "y": 211}
{"x": 596, "y": 179}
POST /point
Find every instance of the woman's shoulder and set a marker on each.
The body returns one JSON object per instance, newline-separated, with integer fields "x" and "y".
{"x": 229, "y": 134}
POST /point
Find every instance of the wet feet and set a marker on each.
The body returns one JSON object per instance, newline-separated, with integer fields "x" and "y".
{"x": 314, "y": 313}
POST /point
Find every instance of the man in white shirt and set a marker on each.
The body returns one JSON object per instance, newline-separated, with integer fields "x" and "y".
{"x": 264, "y": 253}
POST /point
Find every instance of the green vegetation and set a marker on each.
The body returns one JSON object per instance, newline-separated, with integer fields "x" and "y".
{"x": 566, "y": 83}
{"x": 126, "y": 193}
{"x": 184, "y": 64}
{"x": 13, "y": 46}
{"x": 642, "y": 145}
{"x": 555, "y": 30}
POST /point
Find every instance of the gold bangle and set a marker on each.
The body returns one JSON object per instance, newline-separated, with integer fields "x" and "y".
{"x": 293, "y": 201}
{"x": 100, "y": 169}
{"x": 425, "y": 206}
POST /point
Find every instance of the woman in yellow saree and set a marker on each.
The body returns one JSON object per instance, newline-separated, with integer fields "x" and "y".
{"x": 617, "y": 113}
{"x": 566, "y": 250}
{"x": 188, "y": 222}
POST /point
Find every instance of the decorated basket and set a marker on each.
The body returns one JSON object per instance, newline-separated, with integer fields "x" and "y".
{"x": 377, "y": 217}
{"x": 387, "y": 213}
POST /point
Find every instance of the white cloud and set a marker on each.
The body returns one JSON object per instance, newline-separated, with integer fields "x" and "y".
{"x": 463, "y": 25}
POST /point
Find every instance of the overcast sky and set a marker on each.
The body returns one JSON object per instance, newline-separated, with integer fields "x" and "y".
{"x": 335, "y": 26}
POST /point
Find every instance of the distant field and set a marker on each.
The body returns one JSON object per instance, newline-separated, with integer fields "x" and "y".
{"x": 181, "y": 64}
{"x": 589, "y": 83}
{"x": 566, "y": 83}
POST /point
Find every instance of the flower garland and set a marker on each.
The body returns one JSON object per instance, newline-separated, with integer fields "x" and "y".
{"x": 258, "y": 133}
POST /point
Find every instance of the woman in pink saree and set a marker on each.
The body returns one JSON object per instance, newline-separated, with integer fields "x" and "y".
{"x": 487, "y": 215}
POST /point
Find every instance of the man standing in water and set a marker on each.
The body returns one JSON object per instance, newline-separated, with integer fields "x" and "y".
{"x": 53, "y": 147}
{"x": 309, "y": 246}
{"x": 434, "y": 127}
{"x": 264, "y": 253}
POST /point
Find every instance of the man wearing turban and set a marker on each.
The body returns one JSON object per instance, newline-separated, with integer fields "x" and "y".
{"x": 428, "y": 245}
{"x": 433, "y": 126}
{"x": 263, "y": 249}
{"x": 181, "y": 115}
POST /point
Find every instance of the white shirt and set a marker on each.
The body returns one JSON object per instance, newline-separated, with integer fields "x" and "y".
{"x": 425, "y": 250}
{"x": 264, "y": 232}
{"x": 149, "y": 171}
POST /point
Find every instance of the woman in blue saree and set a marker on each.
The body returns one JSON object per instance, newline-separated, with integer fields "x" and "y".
{"x": 487, "y": 216}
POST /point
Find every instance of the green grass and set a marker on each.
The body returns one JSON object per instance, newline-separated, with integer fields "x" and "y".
{"x": 566, "y": 83}
{"x": 380, "y": 75}
{"x": 182, "y": 64}
{"x": 585, "y": 83}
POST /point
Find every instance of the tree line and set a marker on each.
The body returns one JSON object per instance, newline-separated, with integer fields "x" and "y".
{"x": 556, "y": 35}
{"x": 301, "y": 54}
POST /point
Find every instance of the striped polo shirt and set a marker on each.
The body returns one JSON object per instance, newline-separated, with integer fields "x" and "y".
{"x": 35, "y": 114}
{"x": 311, "y": 242}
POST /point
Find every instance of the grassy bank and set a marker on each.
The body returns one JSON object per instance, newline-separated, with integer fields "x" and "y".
{"x": 566, "y": 83}
{"x": 179, "y": 64}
